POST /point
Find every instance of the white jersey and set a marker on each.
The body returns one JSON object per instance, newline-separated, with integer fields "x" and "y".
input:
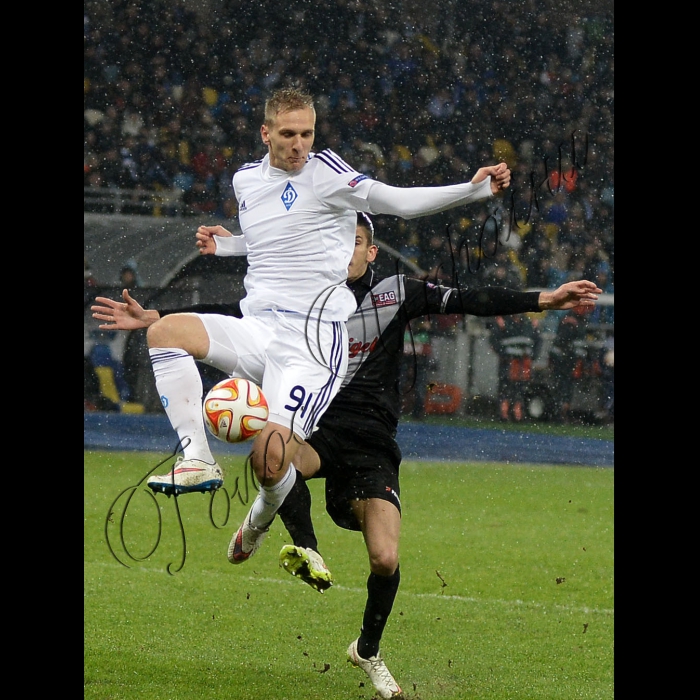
{"x": 299, "y": 230}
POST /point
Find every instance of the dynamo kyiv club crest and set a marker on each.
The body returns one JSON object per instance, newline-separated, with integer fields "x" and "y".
{"x": 289, "y": 196}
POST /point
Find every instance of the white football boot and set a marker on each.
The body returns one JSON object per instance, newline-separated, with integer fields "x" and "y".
{"x": 378, "y": 673}
{"x": 188, "y": 476}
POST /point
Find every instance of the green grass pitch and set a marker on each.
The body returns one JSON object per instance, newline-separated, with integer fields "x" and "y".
{"x": 506, "y": 590}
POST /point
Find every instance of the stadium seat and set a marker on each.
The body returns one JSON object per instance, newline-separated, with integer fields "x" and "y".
{"x": 443, "y": 398}
{"x": 132, "y": 407}
{"x": 108, "y": 386}
{"x": 108, "y": 389}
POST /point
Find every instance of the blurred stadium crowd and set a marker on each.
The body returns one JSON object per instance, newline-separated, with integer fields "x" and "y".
{"x": 173, "y": 101}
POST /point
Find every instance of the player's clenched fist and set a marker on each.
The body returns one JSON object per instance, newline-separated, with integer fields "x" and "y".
{"x": 500, "y": 176}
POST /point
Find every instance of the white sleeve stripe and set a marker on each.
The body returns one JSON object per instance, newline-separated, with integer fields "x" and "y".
{"x": 446, "y": 296}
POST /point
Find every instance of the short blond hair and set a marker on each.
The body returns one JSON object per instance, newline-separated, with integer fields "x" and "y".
{"x": 287, "y": 100}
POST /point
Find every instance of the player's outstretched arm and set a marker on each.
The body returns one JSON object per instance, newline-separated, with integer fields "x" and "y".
{"x": 128, "y": 315}
{"x": 569, "y": 295}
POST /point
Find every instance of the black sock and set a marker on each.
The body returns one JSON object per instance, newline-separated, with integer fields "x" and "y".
{"x": 295, "y": 513}
{"x": 381, "y": 591}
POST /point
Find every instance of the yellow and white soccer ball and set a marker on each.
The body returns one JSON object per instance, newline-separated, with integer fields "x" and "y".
{"x": 235, "y": 410}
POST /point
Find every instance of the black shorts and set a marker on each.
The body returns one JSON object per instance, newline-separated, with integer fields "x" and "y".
{"x": 356, "y": 466}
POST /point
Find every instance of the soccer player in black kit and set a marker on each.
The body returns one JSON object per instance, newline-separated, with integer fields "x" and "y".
{"x": 355, "y": 447}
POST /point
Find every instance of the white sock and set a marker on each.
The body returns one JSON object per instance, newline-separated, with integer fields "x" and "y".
{"x": 270, "y": 498}
{"x": 180, "y": 389}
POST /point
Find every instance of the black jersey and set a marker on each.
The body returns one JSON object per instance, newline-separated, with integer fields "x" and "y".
{"x": 369, "y": 399}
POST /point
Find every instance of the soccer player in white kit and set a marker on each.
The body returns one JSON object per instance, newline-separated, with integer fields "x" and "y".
{"x": 297, "y": 212}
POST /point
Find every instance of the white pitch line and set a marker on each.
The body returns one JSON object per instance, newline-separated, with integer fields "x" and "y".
{"x": 458, "y": 598}
{"x": 289, "y": 581}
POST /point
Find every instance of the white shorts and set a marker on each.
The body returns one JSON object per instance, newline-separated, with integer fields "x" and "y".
{"x": 298, "y": 363}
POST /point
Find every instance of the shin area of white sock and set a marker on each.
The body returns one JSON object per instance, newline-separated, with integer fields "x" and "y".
{"x": 270, "y": 498}
{"x": 180, "y": 389}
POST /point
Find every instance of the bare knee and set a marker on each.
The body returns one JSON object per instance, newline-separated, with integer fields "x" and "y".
{"x": 384, "y": 562}
{"x": 268, "y": 461}
{"x": 184, "y": 331}
{"x": 162, "y": 333}
{"x": 272, "y": 452}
